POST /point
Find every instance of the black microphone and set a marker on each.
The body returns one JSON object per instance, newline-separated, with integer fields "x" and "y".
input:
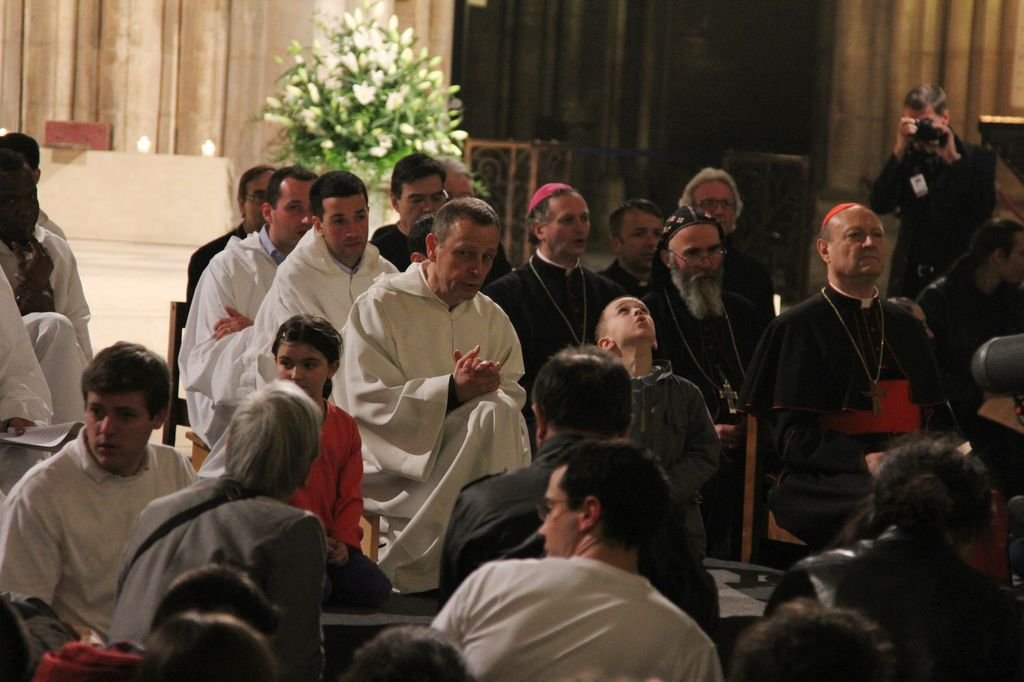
{"x": 998, "y": 366}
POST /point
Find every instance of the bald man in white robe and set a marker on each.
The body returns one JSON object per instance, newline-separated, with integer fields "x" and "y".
{"x": 431, "y": 377}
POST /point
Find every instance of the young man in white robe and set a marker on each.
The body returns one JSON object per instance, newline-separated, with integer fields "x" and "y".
{"x": 431, "y": 372}
{"x": 230, "y": 292}
{"x": 47, "y": 289}
{"x": 331, "y": 266}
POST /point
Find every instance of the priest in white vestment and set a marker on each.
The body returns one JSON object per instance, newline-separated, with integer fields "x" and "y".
{"x": 229, "y": 295}
{"x": 330, "y": 267}
{"x": 431, "y": 371}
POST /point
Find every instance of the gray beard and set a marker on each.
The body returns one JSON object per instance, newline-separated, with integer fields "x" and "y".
{"x": 702, "y": 297}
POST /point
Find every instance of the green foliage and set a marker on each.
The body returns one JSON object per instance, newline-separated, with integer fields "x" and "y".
{"x": 364, "y": 100}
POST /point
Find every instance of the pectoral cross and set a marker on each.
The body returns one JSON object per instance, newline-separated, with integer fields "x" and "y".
{"x": 876, "y": 394}
{"x": 727, "y": 394}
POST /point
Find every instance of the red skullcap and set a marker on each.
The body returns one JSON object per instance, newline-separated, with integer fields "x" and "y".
{"x": 544, "y": 192}
{"x": 837, "y": 209}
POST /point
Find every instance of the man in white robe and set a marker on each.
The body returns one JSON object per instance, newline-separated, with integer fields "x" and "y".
{"x": 24, "y": 395}
{"x": 431, "y": 372}
{"x": 332, "y": 265}
{"x": 47, "y": 289}
{"x": 230, "y": 292}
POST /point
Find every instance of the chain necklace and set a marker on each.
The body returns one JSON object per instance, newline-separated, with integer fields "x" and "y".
{"x": 874, "y": 393}
{"x": 583, "y": 280}
{"x": 725, "y": 391}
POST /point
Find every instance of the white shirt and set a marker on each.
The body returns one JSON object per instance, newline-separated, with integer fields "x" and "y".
{"x": 64, "y": 524}
{"x": 578, "y": 618}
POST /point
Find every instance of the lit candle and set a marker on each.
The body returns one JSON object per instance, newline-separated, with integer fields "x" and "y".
{"x": 209, "y": 148}
{"x": 144, "y": 145}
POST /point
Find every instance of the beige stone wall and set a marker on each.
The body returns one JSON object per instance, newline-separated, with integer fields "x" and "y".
{"x": 882, "y": 48}
{"x": 177, "y": 71}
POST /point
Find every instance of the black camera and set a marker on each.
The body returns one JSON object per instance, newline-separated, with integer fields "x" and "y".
{"x": 927, "y": 132}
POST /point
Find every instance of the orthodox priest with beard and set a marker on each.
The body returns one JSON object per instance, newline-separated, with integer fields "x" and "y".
{"x": 709, "y": 336}
{"x": 836, "y": 377}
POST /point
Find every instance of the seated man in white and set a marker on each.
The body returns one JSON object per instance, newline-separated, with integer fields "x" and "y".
{"x": 331, "y": 266}
{"x": 24, "y": 396}
{"x": 230, "y": 291}
{"x": 431, "y": 371}
{"x": 43, "y": 272}
{"x": 65, "y": 522}
{"x": 582, "y": 612}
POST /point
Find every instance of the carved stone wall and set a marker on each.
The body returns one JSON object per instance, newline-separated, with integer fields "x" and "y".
{"x": 177, "y": 71}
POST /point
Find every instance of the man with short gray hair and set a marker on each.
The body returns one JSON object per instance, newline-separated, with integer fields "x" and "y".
{"x": 942, "y": 186}
{"x": 714, "y": 191}
{"x": 435, "y": 412}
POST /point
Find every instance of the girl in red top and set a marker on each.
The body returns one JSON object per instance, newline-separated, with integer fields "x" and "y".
{"x": 307, "y": 350}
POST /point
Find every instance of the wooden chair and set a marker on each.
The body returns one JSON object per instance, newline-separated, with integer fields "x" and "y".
{"x": 758, "y": 520}
{"x": 370, "y": 523}
{"x": 177, "y": 414}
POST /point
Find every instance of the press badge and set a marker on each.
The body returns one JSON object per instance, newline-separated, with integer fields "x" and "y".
{"x": 918, "y": 184}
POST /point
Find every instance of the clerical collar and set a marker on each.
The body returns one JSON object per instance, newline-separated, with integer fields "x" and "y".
{"x": 276, "y": 254}
{"x": 864, "y": 302}
{"x": 552, "y": 263}
{"x": 344, "y": 268}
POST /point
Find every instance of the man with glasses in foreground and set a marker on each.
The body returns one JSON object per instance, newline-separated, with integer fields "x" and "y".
{"x": 714, "y": 191}
{"x": 708, "y": 335}
{"x": 583, "y": 611}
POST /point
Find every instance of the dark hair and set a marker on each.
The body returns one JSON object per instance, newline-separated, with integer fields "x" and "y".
{"x": 416, "y": 240}
{"x": 12, "y": 161}
{"x": 206, "y": 647}
{"x": 250, "y": 175}
{"x": 630, "y": 484}
{"x": 926, "y": 95}
{"x": 586, "y": 390}
{"x": 470, "y": 208}
{"x": 414, "y": 167}
{"x": 408, "y": 653}
{"x": 998, "y": 234}
{"x": 619, "y": 214}
{"x": 25, "y": 145}
{"x": 299, "y": 173}
{"x": 126, "y": 367}
{"x": 313, "y": 331}
{"x": 806, "y": 642}
{"x": 218, "y": 588}
{"x": 929, "y": 489}
{"x": 335, "y": 184}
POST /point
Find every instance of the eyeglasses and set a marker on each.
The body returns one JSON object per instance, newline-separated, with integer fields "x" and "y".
{"x": 435, "y": 198}
{"x": 545, "y": 507}
{"x": 258, "y": 196}
{"x": 694, "y": 256}
{"x": 712, "y": 204}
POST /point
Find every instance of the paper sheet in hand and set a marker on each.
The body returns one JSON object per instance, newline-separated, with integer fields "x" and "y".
{"x": 44, "y": 437}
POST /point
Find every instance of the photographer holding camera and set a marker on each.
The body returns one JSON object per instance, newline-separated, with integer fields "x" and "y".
{"x": 942, "y": 186}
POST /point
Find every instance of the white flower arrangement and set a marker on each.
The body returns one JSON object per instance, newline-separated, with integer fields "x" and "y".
{"x": 364, "y": 101}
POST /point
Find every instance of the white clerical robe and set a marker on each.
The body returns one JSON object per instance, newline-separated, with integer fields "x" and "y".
{"x": 68, "y": 295}
{"x": 309, "y": 282}
{"x": 399, "y": 342}
{"x": 238, "y": 277}
{"x": 23, "y": 389}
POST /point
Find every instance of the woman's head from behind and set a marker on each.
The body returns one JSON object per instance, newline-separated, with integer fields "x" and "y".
{"x": 273, "y": 438}
{"x": 196, "y": 647}
{"x": 928, "y": 488}
{"x": 307, "y": 350}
